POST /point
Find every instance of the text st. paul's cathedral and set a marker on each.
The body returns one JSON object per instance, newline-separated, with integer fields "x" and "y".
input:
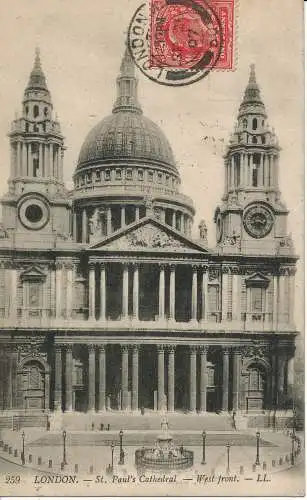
{"x": 107, "y": 303}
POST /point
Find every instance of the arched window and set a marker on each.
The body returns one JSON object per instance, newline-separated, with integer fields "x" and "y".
{"x": 35, "y": 110}
{"x": 45, "y": 111}
{"x": 27, "y": 127}
{"x": 263, "y": 139}
{"x": 255, "y": 169}
{"x": 254, "y": 139}
{"x": 27, "y": 110}
{"x": 254, "y": 123}
{"x": 36, "y": 128}
{"x": 245, "y": 123}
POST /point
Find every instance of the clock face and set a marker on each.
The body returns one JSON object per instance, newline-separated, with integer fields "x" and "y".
{"x": 219, "y": 228}
{"x": 33, "y": 212}
{"x": 258, "y": 220}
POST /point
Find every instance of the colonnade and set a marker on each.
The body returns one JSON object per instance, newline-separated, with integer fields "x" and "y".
{"x": 267, "y": 176}
{"x": 49, "y": 156}
{"x": 176, "y": 219}
{"x": 166, "y": 358}
{"x": 136, "y": 291}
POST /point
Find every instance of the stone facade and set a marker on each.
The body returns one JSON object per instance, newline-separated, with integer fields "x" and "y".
{"x": 107, "y": 302}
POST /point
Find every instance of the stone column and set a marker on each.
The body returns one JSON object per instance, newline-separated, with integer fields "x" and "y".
{"x": 203, "y": 378}
{"x": 193, "y": 379}
{"x": 24, "y": 159}
{"x": 275, "y": 302}
{"x": 58, "y": 378}
{"x": 18, "y": 162}
{"x": 171, "y": 379}
{"x": 160, "y": 377}
{"x": 103, "y": 294}
{"x": 58, "y": 290}
{"x": 125, "y": 290}
{"x": 225, "y": 378}
{"x": 102, "y": 378}
{"x": 135, "y": 378}
{"x": 91, "y": 378}
{"x": 162, "y": 212}
{"x": 135, "y": 292}
{"x": 122, "y": 216}
{"x": 225, "y": 284}
{"x": 68, "y": 378}
{"x": 233, "y": 171}
{"x": 69, "y": 284}
{"x": 125, "y": 376}
{"x": 91, "y": 289}
{"x": 204, "y": 294}
{"x": 174, "y": 219}
{"x": 194, "y": 294}
{"x": 246, "y": 164}
{"x": 51, "y": 169}
{"x": 236, "y": 379}
{"x": 109, "y": 221}
{"x": 172, "y": 293}
{"x": 84, "y": 226}
{"x": 137, "y": 213}
{"x": 13, "y": 294}
{"x": 40, "y": 161}
{"x": 236, "y": 297}
{"x": 280, "y": 378}
{"x": 182, "y": 222}
{"x": 52, "y": 291}
{"x": 162, "y": 292}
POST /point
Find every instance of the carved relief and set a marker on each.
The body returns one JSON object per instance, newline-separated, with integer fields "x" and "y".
{"x": 149, "y": 236}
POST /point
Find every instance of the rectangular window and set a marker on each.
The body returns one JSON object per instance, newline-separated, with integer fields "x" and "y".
{"x": 118, "y": 174}
{"x": 159, "y": 178}
{"x": 107, "y": 175}
{"x": 150, "y": 176}
{"x": 141, "y": 175}
{"x": 257, "y": 296}
{"x": 129, "y": 174}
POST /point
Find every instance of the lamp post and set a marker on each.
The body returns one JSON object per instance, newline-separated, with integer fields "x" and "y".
{"x": 228, "y": 453}
{"x": 121, "y": 451}
{"x": 64, "y": 447}
{"x": 112, "y": 455}
{"x": 257, "y": 444}
{"x": 204, "y": 448}
{"x": 23, "y": 448}
{"x": 293, "y": 438}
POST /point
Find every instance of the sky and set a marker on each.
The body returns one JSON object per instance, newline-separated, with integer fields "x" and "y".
{"x": 81, "y": 45}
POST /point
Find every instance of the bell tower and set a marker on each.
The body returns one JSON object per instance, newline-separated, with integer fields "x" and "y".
{"x": 37, "y": 198}
{"x": 252, "y": 218}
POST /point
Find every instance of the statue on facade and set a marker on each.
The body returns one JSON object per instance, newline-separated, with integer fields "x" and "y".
{"x": 203, "y": 231}
{"x": 95, "y": 223}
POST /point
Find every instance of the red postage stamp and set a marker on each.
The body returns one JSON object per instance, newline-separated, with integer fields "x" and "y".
{"x": 192, "y": 34}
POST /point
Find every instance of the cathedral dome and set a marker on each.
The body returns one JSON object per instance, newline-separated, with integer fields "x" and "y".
{"x": 126, "y": 135}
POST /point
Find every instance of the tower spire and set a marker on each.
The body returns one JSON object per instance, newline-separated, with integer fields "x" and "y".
{"x": 127, "y": 86}
{"x": 37, "y": 78}
{"x": 252, "y": 101}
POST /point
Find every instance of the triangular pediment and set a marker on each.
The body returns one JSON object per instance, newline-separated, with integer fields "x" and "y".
{"x": 257, "y": 279}
{"x": 148, "y": 235}
{"x": 33, "y": 273}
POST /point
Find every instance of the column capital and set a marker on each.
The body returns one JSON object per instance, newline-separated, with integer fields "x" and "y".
{"x": 101, "y": 347}
{"x": 68, "y": 347}
{"x": 92, "y": 265}
{"x": 204, "y": 268}
{"x": 226, "y": 350}
{"x": 102, "y": 266}
{"x": 195, "y": 267}
{"x": 58, "y": 265}
{"x": 135, "y": 264}
{"x": 91, "y": 347}
{"x": 193, "y": 349}
{"x": 172, "y": 267}
{"x": 204, "y": 349}
{"x": 171, "y": 348}
{"x": 161, "y": 347}
{"x": 124, "y": 348}
{"x": 162, "y": 266}
{"x": 135, "y": 348}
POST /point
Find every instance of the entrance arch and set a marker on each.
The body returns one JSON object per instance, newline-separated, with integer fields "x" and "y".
{"x": 34, "y": 382}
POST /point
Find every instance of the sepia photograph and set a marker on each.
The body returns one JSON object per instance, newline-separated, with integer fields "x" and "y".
{"x": 152, "y": 248}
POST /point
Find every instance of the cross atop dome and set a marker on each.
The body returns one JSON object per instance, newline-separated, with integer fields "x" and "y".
{"x": 127, "y": 86}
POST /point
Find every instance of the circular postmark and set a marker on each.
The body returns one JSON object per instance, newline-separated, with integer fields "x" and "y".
{"x": 179, "y": 44}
